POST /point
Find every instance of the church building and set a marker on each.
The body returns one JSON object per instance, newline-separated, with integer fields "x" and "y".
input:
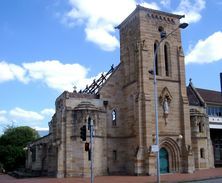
{"x": 121, "y": 105}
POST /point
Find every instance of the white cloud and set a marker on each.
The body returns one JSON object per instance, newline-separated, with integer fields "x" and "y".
{"x": 11, "y": 72}
{"x": 57, "y": 75}
{"x": 151, "y": 5}
{"x": 100, "y": 17}
{"x": 24, "y": 115}
{"x": 19, "y": 73}
{"x": 48, "y": 112}
{"x": 165, "y": 3}
{"x": 2, "y": 112}
{"x": 191, "y": 9}
{"x": 41, "y": 128}
{"x": 21, "y": 117}
{"x": 6, "y": 73}
{"x": 3, "y": 118}
{"x": 101, "y": 37}
{"x": 53, "y": 73}
{"x": 206, "y": 51}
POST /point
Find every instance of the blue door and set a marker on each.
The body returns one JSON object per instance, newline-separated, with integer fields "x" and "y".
{"x": 164, "y": 161}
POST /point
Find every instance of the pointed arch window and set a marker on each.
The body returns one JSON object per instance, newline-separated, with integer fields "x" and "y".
{"x": 156, "y": 59}
{"x": 167, "y": 59}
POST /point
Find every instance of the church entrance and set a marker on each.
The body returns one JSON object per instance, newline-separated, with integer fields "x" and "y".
{"x": 164, "y": 161}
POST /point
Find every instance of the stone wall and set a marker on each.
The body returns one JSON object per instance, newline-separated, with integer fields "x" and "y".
{"x": 121, "y": 137}
{"x": 202, "y": 146}
{"x": 41, "y": 157}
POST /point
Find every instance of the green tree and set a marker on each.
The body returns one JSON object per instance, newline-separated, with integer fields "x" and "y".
{"x": 12, "y": 144}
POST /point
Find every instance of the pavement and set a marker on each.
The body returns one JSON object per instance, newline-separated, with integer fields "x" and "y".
{"x": 166, "y": 178}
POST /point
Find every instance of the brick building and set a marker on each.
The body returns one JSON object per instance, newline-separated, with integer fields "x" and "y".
{"x": 121, "y": 104}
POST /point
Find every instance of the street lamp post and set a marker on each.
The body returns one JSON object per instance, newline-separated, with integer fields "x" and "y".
{"x": 91, "y": 151}
{"x": 163, "y": 36}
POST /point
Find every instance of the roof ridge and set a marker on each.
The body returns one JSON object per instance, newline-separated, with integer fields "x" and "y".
{"x": 208, "y": 90}
{"x": 197, "y": 94}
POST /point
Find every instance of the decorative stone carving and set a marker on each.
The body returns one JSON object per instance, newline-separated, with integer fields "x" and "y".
{"x": 165, "y": 106}
{"x": 165, "y": 94}
{"x": 189, "y": 150}
{"x": 180, "y": 51}
{"x": 165, "y": 100}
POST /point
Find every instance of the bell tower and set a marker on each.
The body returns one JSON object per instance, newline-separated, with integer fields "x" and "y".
{"x": 140, "y": 36}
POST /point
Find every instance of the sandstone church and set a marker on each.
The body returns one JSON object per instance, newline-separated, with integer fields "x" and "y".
{"x": 121, "y": 104}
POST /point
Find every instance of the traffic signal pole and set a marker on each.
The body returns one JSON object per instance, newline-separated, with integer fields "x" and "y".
{"x": 91, "y": 151}
{"x": 83, "y": 133}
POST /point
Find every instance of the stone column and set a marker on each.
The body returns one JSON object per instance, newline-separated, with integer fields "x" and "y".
{"x": 61, "y": 147}
{"x": 187, "y": 153}
{"x": 68, "y": 151}
{"x": 139, "y": 161}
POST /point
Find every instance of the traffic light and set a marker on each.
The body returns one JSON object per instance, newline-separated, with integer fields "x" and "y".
{"x": 83, "y": 133}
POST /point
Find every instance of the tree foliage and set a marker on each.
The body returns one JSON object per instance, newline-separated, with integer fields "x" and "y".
{"x": 12, "y": 144}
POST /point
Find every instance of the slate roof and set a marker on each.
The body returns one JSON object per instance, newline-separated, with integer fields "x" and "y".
{"x": 193, "y": 96}
{"x": 201, "y": 97}
{"x": 210, "y": 96}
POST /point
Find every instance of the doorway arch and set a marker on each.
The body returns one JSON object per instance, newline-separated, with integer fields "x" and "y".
{"x": 164, "y": 161}
{"x": 174, "y": 154}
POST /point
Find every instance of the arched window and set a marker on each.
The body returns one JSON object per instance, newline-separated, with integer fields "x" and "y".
{"x": 114, "y": 117}
{"x": 156, "y": 59}
{"x": 167, "y": 58}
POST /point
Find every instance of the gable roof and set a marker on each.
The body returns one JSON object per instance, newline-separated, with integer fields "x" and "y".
{"x": 201, "y": 97}
{"x": 210, "y": 96}
{"x": 194, "y": 97}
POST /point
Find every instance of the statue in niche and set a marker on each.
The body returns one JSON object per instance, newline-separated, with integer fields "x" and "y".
{"x": 165, "y": 100}
{"x": 165, "y": 107}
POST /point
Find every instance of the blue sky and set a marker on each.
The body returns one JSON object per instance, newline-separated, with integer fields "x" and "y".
{"x": 48, "y": 46}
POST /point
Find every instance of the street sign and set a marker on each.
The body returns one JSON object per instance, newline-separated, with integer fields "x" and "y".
{"x": 154, "y": 148}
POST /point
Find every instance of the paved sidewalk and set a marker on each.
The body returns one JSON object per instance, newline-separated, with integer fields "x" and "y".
{"x": 169, "y": 178}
